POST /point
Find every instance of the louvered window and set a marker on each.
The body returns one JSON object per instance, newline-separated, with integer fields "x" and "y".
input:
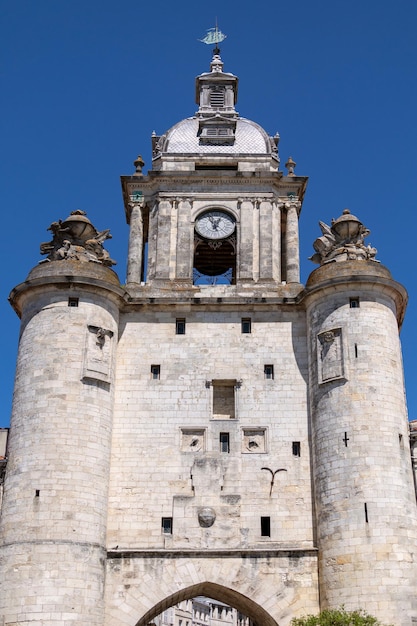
{"x": 216, "y": 98}
{"x": 218, "y": 132}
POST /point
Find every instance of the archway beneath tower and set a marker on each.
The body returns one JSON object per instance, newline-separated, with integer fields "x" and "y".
{"x": 242, "y": 603}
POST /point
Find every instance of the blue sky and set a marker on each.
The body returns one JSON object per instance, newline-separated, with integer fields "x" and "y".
{"x": 85, "y": 83}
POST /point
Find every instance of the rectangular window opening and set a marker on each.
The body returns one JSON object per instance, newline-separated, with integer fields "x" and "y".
{"x": 155, "y": 372}
{"x": 180, "y": 326}
{"x": 73, "y": 302}
{"x": 356, "y": 350}
{"x": 224, "y": 399}
{"x": 296, "y": 448}
{"x": 224, "y": 442}
{"x": 265, "y": 526}
{"x": 354, "y": 303}
{"x": 246, "y": 325}
{"x": 167, "y": 525}
{"x": 366, "y": 512}
{"x": 269, "y": 372}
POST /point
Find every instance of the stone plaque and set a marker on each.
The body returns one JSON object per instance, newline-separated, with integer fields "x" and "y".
{"x": 193, "y": 439}
{"x": 330, "y": 355}
{"x": 254, "y": 440}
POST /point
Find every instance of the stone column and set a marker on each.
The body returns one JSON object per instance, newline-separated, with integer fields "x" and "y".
{"x": 265, "y": 239}
{"x": 276, "y": 241}
{"x": 184, "y": 256}
{"x": 245, "y": 258}
{"x": 135, "y": 253}
{"x": 292, "y": 243}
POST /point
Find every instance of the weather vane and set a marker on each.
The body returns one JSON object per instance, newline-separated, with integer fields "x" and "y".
{"x": 214, "y": 35}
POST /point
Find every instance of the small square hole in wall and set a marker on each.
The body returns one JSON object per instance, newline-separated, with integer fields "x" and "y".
{"x": 224, "y": 442}
{"x": 269, "y": 372}
{"x": 167, "y": 525}
{"x": 354, "y": 303}
{"x": 246, "y": 325}
{"x": 155, "y": 372}
{"x": 180, "y": 326}
{"x": 73, "y": 302}
{"x": 265, "y": 526}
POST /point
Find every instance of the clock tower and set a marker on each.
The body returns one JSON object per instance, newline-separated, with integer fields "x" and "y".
{"x": 214, "y": 208}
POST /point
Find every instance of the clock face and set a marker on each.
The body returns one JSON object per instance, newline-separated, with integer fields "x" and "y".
{"x": 215, "y": 224}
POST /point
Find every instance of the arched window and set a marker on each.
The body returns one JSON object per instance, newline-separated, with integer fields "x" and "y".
{"x": 214, "y": 248}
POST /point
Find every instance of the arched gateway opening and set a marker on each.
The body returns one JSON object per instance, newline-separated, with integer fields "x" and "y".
{"x": 240, "y": 602}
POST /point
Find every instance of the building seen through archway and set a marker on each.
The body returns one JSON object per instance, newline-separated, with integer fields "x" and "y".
{"x": 201, "y": 611}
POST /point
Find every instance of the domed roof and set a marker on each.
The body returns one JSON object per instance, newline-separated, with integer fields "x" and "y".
{"x": 184, "y": 138}
{"x": 216, "y": 131}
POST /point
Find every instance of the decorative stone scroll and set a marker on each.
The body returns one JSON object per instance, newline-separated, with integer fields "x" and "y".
{"x": 343, "y": 241}
{"x": 76, "y": 239}
{"x": 97, "y": 363}
{"x": 330, "y": 355}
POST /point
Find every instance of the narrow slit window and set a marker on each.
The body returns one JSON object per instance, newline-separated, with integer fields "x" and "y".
{"x": 167, "y": 525}
{"x": 356, "y": 350}
{"x": 265, "y": 526}
{"x": 180, "y": 326}
{"x": 269, "y": 372}
{"x": 224, "y": 442}
{"x": 296, "y": 448}
{"x": 246, "y": 325}
{"x": 354, "y": 303}
{"x": 155, "y": 372}
{"x": 73, "y": 302}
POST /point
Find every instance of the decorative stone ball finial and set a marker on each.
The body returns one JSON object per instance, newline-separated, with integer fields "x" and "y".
{"x": 138, "y": 163}
{"x": 290, "y": 165}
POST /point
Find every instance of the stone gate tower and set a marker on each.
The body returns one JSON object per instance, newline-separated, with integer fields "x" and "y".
{"x": 214, "y": 427}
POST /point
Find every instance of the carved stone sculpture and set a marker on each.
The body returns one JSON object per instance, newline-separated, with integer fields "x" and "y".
{"x": 76, "y": 239}
{"x": 343, "y": 241}
{"x": 206, "y": 517}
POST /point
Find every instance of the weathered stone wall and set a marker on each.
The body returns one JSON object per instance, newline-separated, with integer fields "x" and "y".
{"x": 158, "y": 472}
{"x": 365, "y": 505}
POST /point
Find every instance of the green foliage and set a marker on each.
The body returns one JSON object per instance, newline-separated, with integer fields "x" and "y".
{"x": 337, "y": 617}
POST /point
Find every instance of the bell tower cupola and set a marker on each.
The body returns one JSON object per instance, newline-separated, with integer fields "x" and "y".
{"x": 216, "y": 95}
